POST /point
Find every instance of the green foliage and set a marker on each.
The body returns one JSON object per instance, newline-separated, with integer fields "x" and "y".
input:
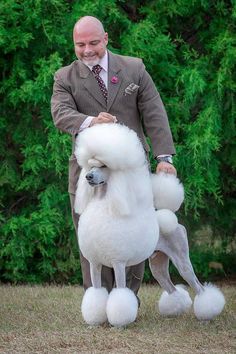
{"x": 189, "y": 50}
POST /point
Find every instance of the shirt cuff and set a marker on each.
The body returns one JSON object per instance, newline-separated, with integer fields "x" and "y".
{"x": 86, "y": 123}
{"x": 164, "y": 155}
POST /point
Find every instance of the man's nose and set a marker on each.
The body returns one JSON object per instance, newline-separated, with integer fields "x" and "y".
{"x": 87, "y": 48}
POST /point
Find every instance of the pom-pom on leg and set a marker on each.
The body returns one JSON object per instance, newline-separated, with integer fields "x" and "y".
{"x": 167, "y": 221}
{"x": 122, "y": 307}
{"x": 209, "y": 303}
{"x": 93, "y": 306}
{"x": 175, "y": 303}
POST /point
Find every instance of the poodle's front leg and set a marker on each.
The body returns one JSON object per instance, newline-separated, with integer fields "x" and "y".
{"x": 122, "y": 304}
{"x": 95, "y": 298}
{"x": 95, "y": 273}
{"x": 120, "y": 275}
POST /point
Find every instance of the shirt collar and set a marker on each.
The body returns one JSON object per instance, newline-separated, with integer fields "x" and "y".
{"x": 103, "y": 62}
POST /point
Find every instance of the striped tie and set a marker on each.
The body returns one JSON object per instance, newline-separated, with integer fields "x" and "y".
{"x": 96, "y": 69}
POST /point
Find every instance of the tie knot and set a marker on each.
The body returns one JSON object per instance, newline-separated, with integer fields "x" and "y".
{"x": 96, "y": 69}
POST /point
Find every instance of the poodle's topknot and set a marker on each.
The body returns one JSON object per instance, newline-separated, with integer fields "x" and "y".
{"x": 114, "y": 145}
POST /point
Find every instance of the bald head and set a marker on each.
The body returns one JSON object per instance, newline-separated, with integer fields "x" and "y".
{"x": 89, "y": 22}
{"x": 90, "y": 40}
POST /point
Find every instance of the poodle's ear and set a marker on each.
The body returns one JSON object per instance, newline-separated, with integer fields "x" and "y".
{"x": 119, "y": 196}
{"x": 84, "y": 193}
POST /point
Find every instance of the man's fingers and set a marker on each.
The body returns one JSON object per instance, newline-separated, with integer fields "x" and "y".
{"x": 104, "y": 120}
{"x": 166, "y": 167}
{"x": 107, "y": 116}
{"x": 103, "y": 117}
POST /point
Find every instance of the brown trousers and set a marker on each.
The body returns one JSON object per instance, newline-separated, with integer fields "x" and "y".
{"x": 134, "y": 274}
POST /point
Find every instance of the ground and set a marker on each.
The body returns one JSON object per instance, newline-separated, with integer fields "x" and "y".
{"x": 47, "y": 319}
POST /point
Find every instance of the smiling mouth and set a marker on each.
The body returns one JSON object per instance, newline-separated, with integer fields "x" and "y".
{"x": 90, "y": 57}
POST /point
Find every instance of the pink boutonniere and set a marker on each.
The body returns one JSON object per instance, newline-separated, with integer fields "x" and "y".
{"x": 114, "y": 79}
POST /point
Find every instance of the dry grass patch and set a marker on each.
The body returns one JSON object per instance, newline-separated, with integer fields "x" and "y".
{"x": 48, "y": 320}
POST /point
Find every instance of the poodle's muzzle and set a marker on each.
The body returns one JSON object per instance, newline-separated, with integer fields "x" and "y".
{"x": 97, "y": 176}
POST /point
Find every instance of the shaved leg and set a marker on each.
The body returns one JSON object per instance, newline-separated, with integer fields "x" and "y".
{"x": 95, "y": 271}
{"x": 159, "y": 265}
{"x": 176, "y": 248}
{"x": 120, "y": 276}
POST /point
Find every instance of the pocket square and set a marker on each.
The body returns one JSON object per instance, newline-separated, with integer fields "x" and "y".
{"x": 131, "y": 89}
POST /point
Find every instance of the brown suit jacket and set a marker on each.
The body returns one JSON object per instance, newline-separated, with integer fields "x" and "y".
{"x": 77, "y": 95}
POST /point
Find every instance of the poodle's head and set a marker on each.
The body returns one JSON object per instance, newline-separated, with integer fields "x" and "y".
{"x": 112, "y": 145}
{"x": 112, "y": 156}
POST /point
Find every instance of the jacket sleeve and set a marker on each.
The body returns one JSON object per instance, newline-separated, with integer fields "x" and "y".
{"x": 154, "y": 115}
{"x": 63, "y": 108}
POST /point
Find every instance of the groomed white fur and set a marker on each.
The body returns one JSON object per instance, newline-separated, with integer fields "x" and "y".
{"x": 93, "y": 306}
{"x": 167, "y": 221}
{"x": 176, "y": 303}
{"x": 125, "y": 227}
{"x": 168, "y": 192}
{"x": 209, "y": 303}
{"x": 122, "y": 307}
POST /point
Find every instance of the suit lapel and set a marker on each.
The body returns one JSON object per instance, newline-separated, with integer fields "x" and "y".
{"x": 91, "y": 84}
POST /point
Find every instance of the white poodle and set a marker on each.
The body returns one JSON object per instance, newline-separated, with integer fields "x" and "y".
{"x": 119, "y": 227}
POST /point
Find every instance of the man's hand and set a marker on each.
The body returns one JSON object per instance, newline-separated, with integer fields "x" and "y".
{"x": 103, "y": 117}
{"x": 166, "y": 167}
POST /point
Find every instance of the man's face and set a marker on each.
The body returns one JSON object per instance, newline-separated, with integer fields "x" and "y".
{"x": 90, "y": 44}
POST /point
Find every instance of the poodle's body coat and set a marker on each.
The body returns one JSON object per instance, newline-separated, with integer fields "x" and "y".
{"x": 122, "y": 236}
{"x": 128, "y": 240}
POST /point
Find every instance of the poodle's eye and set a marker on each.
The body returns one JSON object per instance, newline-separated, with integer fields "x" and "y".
{"x": 103, "y": 166}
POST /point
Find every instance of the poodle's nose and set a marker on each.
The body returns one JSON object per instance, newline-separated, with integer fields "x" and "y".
{"x": 89, "y": 176}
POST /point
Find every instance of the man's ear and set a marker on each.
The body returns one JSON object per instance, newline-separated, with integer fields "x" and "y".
{"x": 106, "y": 38}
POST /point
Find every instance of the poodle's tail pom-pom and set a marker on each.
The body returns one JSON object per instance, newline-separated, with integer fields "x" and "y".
{"x": 167, "y": 221}
{"x": 209, "y": 303}
{"x": 176, "y": 303}
{"x": 168, "y": 192}
{"x": 122, "y": 307}
{"x": 93, "y": 306}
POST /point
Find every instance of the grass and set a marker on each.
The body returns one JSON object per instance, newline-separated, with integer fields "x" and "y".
{"x": 48, "y": 320}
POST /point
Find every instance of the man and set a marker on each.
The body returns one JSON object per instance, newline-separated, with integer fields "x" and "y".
{"x": 101, "y": 87}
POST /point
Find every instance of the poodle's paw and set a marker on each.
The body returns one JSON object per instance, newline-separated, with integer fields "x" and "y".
{"x": 93, "y": 306}
{"x": 122, "y": 307}
{"x": 209, "y": 303}
{"x": 176, "y": 303}
{"x": 167, "y": 221}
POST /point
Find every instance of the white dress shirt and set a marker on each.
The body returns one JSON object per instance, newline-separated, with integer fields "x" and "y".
{"x": 104, "y": 75}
